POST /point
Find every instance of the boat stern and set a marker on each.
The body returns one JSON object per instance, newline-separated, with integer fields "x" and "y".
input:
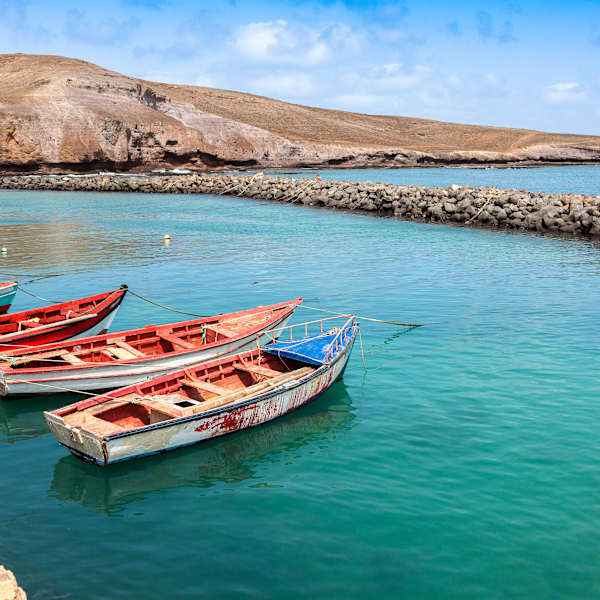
{"x": 80, "y": 442}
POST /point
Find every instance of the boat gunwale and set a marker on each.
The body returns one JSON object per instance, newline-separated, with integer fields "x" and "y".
{"x": 106, "y": 302}
{"x": 210, "y": 413}
{"x": 10, "y": 372}
{"x": 6, "y": 284}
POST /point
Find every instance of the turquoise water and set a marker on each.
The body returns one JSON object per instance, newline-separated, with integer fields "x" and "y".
{"x": 584, "y": 179}
{"x": 462, "y": 464}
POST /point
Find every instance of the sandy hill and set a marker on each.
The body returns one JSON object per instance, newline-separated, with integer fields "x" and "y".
{"x": 65, "y": 114}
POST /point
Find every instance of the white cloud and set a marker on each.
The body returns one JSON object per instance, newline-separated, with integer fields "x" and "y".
{"x": 260, "y": 41}
{"x": 565, "y": 93}
{"x": 282, "y": 43}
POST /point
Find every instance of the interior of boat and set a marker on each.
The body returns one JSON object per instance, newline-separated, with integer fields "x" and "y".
{"x": 147, "y": 342}
{"x": 203, "y": 388}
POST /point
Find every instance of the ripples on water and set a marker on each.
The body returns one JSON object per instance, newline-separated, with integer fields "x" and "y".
{"x": 462, "y": 464}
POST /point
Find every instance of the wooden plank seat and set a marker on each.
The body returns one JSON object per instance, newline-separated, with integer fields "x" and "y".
{"x": 222, "y": 330}
{"x": 205, "y": 386}
{"x": 125, "y": 346}
{"x": 71, "y": 358}
{"x": 178, "y": 342}
{"x": 120, "y": 353}
{"x": 88, "y": 421}
{"x": 256, "y": 370}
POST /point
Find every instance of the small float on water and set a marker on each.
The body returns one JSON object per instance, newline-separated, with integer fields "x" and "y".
{"x": 60, "y": 322}
{"x": 122, "y": 358}
{"x": 8, "y": 289}
{"x": 210, "y": 400}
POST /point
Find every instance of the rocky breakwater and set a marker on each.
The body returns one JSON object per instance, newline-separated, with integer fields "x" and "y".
{"x": 9, "y": 589}
{"x": 460, "y": 205}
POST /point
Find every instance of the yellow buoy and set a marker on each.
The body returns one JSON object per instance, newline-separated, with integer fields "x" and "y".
{"x": 167, "y": 236}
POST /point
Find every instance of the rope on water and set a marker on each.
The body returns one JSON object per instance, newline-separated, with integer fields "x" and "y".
{"x": 362, "y": 352}
{"x": 38, "y": 297}
{"x": 183, "y": 312}
{"x": 362, "y": 318}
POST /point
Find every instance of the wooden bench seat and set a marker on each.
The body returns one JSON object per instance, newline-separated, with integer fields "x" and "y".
{"x": 125, "y": 346}
{"x": 222, "y": 330}
{"x": 177, "y": 342}
{"x": 256, "y": 370}
{"x": 205, "y": 386}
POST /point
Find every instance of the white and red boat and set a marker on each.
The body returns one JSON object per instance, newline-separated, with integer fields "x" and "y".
{"x": 114, "y": 360}
{"x": 58, "y": 322}
{"x": 8, "y": 289}
{"x": 203, "y": 402}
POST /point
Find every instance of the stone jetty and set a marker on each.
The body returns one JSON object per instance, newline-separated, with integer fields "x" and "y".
{"x": 9, "y": 589}
{"x": 576, "y": 214}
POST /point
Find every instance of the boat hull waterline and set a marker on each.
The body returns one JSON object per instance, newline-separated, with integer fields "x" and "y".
{"x": 193, "y": 429}
{"x": 109, "y": 376}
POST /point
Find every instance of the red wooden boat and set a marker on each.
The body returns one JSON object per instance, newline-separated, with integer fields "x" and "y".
{"x": 8, "y": 290}
{"x": 65, "y": 321}
{"x": 124, "y": 357}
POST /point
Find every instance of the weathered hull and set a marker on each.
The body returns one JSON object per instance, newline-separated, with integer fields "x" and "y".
{"x": 112, "y": 376}
{"x": 197, "y": 428}
{"x": 7, "y": 294}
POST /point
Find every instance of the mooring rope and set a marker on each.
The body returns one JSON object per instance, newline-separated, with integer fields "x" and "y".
{"x": 362, "y": 318}
{"x": 38, "y": 297}
{"x": 183, "y": 312}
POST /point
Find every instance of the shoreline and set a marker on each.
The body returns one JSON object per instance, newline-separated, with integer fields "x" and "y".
{"x": 119, "y": 169}
{"x": 489, "y": 207}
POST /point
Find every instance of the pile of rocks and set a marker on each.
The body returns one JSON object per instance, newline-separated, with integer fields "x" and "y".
{"x": 9, "y": 589}
{"x": 482, "y": 206}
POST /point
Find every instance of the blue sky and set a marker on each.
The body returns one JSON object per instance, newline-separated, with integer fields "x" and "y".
{"x": 521, "y": 64}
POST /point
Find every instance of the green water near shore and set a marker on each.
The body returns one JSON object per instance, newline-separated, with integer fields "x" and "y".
{"x": 462, "y": 464}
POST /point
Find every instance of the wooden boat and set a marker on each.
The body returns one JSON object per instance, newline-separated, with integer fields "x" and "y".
{"x": 122, "y": 358}
{"x": 203, "y": 402}
{"x": 58, "y": 322}
{"x": 8, "y": 290}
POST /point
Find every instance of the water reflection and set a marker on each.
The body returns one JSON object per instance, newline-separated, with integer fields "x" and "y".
{"x": 23, "y": 419}
{"x": 229, "y": 459}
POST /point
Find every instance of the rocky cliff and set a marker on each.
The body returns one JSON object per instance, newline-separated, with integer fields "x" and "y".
{"x": 62, "y": 114}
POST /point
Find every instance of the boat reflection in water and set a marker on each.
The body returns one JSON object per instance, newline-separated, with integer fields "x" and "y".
{"x": 228, "y": 459}
{"x": 25, "y": 420}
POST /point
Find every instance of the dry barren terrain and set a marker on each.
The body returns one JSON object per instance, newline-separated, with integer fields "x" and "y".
{"x": 63, "y": 114}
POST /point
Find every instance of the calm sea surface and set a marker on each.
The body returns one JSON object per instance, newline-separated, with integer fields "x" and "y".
{"x": 463, "y": 464}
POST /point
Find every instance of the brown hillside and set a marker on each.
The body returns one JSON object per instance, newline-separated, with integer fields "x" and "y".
{"x": 63, "y": 113}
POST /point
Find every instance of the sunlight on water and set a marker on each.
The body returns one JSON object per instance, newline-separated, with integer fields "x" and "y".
{"x": 467, "y": 451}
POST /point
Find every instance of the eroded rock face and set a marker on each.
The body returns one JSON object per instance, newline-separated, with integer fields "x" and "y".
{"x": 9, "y": 589}
{"x": 64, "y": 114}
